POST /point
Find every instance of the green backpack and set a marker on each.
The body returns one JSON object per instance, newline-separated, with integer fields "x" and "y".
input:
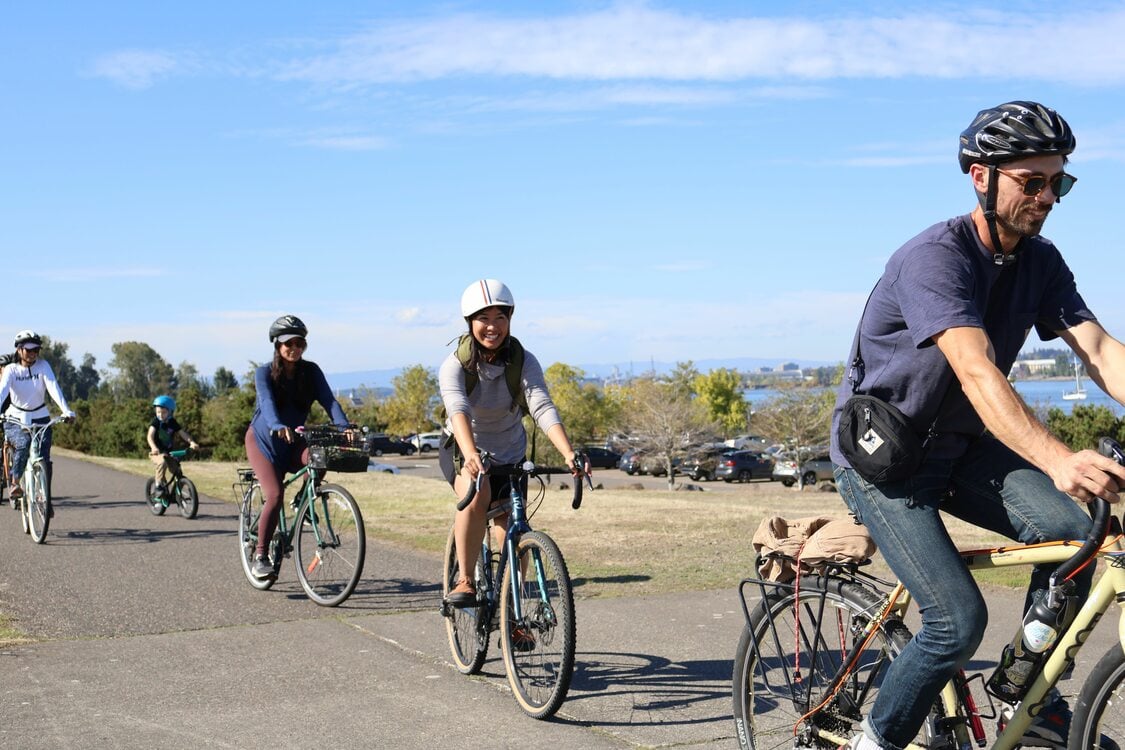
{"x": 513, "y": 370}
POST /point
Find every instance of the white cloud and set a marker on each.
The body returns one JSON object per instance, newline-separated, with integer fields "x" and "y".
{"x": 134, "y": 69}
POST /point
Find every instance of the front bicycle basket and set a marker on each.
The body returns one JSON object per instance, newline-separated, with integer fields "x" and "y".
{"x": 333, "y": 449}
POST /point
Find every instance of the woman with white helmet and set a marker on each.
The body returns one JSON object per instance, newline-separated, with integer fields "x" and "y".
{"x": 27, "y": 381}
{"x": 485, "y": 414}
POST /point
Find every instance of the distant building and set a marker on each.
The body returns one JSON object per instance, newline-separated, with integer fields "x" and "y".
{"x": 1026, "y": 367}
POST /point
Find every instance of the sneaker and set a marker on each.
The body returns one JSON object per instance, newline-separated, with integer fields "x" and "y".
{"x": 522, "y": 639}
{"x": 463, "y": 594}
{"x": 1050, "y": 728}
{"x": 262, "y": 569}
{"x": 860, "y": 742}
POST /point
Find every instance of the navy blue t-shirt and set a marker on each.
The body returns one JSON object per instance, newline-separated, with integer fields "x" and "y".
{"x": 945, "y": 278}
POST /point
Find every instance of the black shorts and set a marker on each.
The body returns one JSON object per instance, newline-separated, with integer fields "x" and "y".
{"x": 450, "y": 461}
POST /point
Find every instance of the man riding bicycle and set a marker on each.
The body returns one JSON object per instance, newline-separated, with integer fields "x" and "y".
{"x": 27, "y": 381}
{"x": 940, "y": 332}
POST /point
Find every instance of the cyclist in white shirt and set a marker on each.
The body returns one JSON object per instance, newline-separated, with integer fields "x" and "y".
{"x": 27, "y": 381}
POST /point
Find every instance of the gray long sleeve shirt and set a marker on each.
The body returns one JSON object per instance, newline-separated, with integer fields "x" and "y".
{"x": 495, "y": 418}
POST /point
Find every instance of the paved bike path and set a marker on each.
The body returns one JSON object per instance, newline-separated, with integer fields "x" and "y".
{"x": 157, "y": 641}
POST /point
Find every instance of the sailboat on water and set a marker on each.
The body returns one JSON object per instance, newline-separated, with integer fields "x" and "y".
{"x": 1079, "y": 393}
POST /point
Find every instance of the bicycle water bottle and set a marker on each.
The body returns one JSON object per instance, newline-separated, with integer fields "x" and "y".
{"x": 1050, "y": 614}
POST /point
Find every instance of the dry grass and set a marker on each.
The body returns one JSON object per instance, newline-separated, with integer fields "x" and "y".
{"x": 621, "y": 541}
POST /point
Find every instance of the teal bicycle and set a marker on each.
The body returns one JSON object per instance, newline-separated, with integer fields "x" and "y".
{"x": 326, "y": 536}
{"x": 180, "y": 491}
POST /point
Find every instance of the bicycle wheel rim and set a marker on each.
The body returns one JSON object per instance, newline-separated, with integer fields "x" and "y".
{"x": 187, "y": 497}
{"x": 465, "y": 627}
{"x": 768, "y": 700}
{"x": 38, "y": 505}
{"x": 330, "y": 546}
{"x": 1098, "y": 721}
{"x": 539, "y": 673}
{"x": 249, "y": 513}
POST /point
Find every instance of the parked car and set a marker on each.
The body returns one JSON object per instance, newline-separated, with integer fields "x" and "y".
{"x": 701, "y": 465}
{"x": 630, "y": 462}
{"x": 817, "y": 470}
{"x": 379, "y": 466}
{"x": 785, "y": 470}
{"x": 755, "y": 443}
{"x": 655, "y": 466}
{"x": 601, "y": 458}
{"x": 427, "y": 441}
{"x": 743, "y": 466}
{"x": 377, "y": 445}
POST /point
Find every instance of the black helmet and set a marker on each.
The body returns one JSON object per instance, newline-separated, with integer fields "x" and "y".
{"x": 1011, "y": 131}
{"x": 6, "y": 359}
{"x": 287, "y": 326}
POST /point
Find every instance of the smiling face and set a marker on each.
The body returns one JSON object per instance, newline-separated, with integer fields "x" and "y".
{"x": 490, "y": 327}
{"x": 28, "y": 355}
{"x": 1017, "y": 214}
{"x": 292, "y": 350}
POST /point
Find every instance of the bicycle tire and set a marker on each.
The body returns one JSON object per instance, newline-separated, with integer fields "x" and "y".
{"x": 330, "y": 557}
{"x": 38, "y": 504}
{"x": 187, "y": 497}
{"x": 1092, "y": 725}
{"x": 157, "y": 509}
{"x": 539, "y": 676}
{"x": 249, "y": 511}
{"x": 774, "y": 719}
{"x": 466, "y": 627}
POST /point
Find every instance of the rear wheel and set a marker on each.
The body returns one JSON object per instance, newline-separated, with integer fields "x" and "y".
{"x": 153, "y": 503}
{"x": 1098, "y": 721}
{"x": 38, "y": 504}
{"x": 465, "y": 626}
{"x": 809, "y": 479}
{"x": 187, "y": 497}
{"x": 330, "y": 545}
{"x": 786, "y": 629}
{"x": 745, "y": 475}
{"x": 249, "y": 513}
{"x": 539, "y": 646}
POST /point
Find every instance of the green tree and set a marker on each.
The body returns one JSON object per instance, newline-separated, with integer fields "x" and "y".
{"x": 722, "y": 395}
{"x": 411, "y": 408}
{"x": 140, "y": 371}
{"x": 225, "y": 419}
{"x": 1083, "y": 427}
{"x": 683, "y": 378}
{"x": 88, "y": 378}
{"x": 187, "y": 377}
{"x": 223, "y": 381}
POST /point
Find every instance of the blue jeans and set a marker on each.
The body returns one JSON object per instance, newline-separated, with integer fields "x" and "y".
{"x": 21, "y": 443}
{"x": 991, "y": 487}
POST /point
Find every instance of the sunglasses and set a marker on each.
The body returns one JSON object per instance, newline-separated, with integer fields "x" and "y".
{"x": 1034, "y": 184}
{"x": 296, "y": 343}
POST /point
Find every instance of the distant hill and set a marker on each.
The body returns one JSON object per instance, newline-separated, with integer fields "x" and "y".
{"x": 380, "y": 379}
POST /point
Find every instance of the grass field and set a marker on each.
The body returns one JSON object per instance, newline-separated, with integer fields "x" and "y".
{"x": 621, "y": 542}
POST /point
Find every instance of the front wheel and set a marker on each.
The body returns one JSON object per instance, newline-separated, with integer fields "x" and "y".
{"x": 38, "y": 504}
{"x": 154, "y": 504}
{"x": 187, "y": 497}
{"x": 809, "y": 479}
{"x": 249, "y": 513}
{"x": 330, "y": 545}
{"x": 466, "y": 627}
{"x": 538, "y": 646}
{"x": 790, "y": 631}
{"x": 1098, "y": 721}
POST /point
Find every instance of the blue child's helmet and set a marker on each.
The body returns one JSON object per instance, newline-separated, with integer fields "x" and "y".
{"x": 167, "y": 402}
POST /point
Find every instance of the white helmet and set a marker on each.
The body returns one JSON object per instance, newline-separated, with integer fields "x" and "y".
{"x": 486, "y": 293}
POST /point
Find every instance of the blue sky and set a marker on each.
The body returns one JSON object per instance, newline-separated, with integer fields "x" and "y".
{"x": 654, "y": 180}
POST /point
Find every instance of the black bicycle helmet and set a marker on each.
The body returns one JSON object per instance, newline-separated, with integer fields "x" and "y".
{"x": 287, "y": 325}
{"x": 6, "y": 359}
{"x": 1011, "y": 131}
{"x": 28, "y": 337}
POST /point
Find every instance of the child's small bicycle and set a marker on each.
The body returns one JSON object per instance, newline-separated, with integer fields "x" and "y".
{"x": 181, "y": 491}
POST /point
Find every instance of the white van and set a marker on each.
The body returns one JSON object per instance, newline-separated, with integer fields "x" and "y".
{"x": 427, "y": 441}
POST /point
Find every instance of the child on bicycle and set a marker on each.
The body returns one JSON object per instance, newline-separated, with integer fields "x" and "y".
{"x": 485, "y": 414}
{"x": 27, "y": 381}
{"x": 287, "y": 388}
{"x": 162, "y": 431}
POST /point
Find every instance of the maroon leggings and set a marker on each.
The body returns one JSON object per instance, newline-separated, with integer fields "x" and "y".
{"x": 270, "y": 477}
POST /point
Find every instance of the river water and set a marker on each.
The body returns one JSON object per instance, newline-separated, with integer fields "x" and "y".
{"x": 1039, "y": 394}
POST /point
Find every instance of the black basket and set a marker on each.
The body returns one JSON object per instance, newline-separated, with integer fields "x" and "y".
{"x": 333, "y": 449}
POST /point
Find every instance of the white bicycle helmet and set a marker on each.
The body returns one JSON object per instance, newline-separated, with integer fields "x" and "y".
{"x": 486, "y": 293}
{"x": 28, "y": 337}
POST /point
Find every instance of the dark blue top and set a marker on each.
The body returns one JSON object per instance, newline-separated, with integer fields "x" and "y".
{"x": 945, "y": 278}
{"x": 280, "y": 406}
{"x": 165, "y": 432}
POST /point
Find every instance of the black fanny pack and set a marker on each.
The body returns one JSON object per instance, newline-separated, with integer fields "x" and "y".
{"x": 878, "y": 440}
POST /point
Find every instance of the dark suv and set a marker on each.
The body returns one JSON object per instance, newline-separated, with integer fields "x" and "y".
{"x": 743, "y": 466}
{"x": 701, "y": 465}
{"x": 377, "y": 445}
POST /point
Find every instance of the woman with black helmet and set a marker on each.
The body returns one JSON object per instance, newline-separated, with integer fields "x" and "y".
{"x": 938, "y": 336}
{"x": 287, "y": 388}
{"x": 25, "y": 384}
